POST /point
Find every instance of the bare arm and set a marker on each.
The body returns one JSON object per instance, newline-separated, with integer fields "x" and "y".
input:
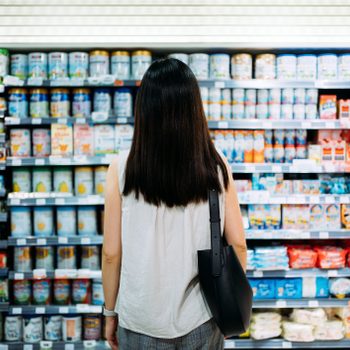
{"x": 112, "y": 249}
{"x": 233, "y": 225}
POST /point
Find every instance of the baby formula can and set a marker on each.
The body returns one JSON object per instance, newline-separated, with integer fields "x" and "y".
{"x": 41, "y": 142}
{"x": 301, "y": 152}
{"x": 238, "y": 111}
{"x": 289, "y": 136}
{"x": 81, "y": 104}
{"x": 32, "y": 329}
{"x": 20, "y": 142}
{"x": 214, "y": 111}
{"x": 3, "y": 103}
{"x": 42, "y": 292}
{"x": 41, "y": 179}
{"x": 287, "y": 96}
{"x": 71, "y": 328}
{"x": 100, "y": 179}
{"x": 21, "y": 225}
{"x": 307, "y": 67}
{"x": 204, "y": 94}
{"x": 214, "y": 95}
{"x": 81, "y": 291}
{"x": 275, "y": 111}
{"x": 66, "y": 221}
{"x": 102, "y": 100}
{"x": 311, "y": 96}
{"x": 123, "y": 102}
{"x": 219, "y": 65}
{"x": 238, "y": 96}
{"x": 262, "y": 111}
{"x": 4, "y": 62}
{"x": 63, "y": 179}
{"x": 22, "y": 261}
{"x": 268, "y": 137}
{"x": 241, "y": 66}
{"x": 226, "y": 111}
{"x": 13, "y": 328}
{"x": 21, "y": 181}
{"x": 59, "y": 106}
{"x": 53, "y": 327}
{"x": 263, "y": 96}
{"x": 286, "y": 66}
{"x": 206, "y": 109}
{"x": 83, "y": 180}
{"x": 120, "y": 65}
{"x": 39, "y": 103}
{"x": 301, "y": 137}
{"x": 226, "y": 96}
{"x": 199, "y": 64}
{"x": 43, "y": 221}
{"x": 97, "y": 292}
{"x": 344, "y": 67}
{"x": 299, "y": 111}
{"x": 250, "y": 97}
{"x": 278, "y": 137}
{"x": 78, "y": 64}
{"x": 327, "y": 66}
{"x": 37, "y": 65}
{"x": 265, "y": 66}
{"x": 61, "y": 291}
{"x": 140, "y": 61}
{"x": 239, "y": 146}
{"x": 289, "y": 153}
{"x": 87, "y": 221}
{"x": 258, "y": 146}
{"x": 311, "y": 111}
{"x": 44, "y": 258}
{"x": 278, "y": 153}
{"x": 21, "y": 292}
{"x": 183, "y": 57}
{"x": 18, "y": 103}
{"x": 58, "y": 65}
{"x": 99, "y": 63}
{"x": 19, "y": 66}
{"x": 66, "y": 257}
{"x": 287, "y": 111}
{"x": 268, "y": 154}
{"x": 90, "y": 257}
{"x": 299, "y": 96}
{"x": 92, "y": 327}
{"x": 249, "y": 111}
{"x": 274, "y": 96}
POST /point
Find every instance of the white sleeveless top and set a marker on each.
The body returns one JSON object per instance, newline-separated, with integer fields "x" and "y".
{"x": 159, "y": 293}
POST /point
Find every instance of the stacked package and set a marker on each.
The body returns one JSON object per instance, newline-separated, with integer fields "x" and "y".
{"x": 265, "y": 325}
{"x": 271, "y": 258}
{"x": 250, "y": 259}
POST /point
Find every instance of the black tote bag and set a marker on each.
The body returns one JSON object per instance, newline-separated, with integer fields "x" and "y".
{"x": 222, "y": 279}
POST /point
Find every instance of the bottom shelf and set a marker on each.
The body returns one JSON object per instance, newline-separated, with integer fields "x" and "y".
{"x": 57, "y": 345}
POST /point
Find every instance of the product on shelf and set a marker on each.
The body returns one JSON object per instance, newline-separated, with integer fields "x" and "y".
{"x": 61, "y": 140}
{"x": 4, "y": 62}
{"x": 120, "y": 64}
{"x": 302, "y": 257}
{"x": 18, "y": 103}
{"x": 58, "y": 65}
{"x": 297, "y": 332}
{"x": 183, "y": 57}
{"x": 241, "y": 66}
{"x": 219, "y": 66}
{"x": 286, "y": 66}
{"x": 340, "y": 287}
{"x": 37, "y": 65}
{"x": 43, "y": 221}
{"x": 327, "y": 66}
{"x": 140, "y": 62}
{"x": 199, "y": 64}
{"x": 265, "y": 325}
{"x": 78, "y": 64}
{"x": 328, "y": 107}
{"x": 265, "y": 66}
{"x": 99, "y": 63}
{"x": 4, "y": 290}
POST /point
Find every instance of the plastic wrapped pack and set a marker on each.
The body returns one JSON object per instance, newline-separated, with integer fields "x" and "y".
{"x": 309, "y": 316}
{"x": 331, "y": 257}
{"x": 271, "y": 258}
{"x": 329, "y": 330}
{"x": 302, "y": 257}
{"x": 250, "y": 259}
{"x": 340, "y": 287}
{"x": 265, "y": 325}
{"x": 297, "y": 332}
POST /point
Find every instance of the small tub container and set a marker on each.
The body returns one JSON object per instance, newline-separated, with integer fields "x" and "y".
{"x": 100, "y": 179}
{"x": 120, "y": 65}
{"x": 90, "y": 257}
{"x": 32, "y": 329}
{"x": 19, "y": 66}
{"x": 183, "y": 57}
{"x": 13, "y": 328}
{"x": 287, "y": 96}
{"x": 63, "y": 179}
{"x": 299, "y": 96}
{"x": 344, "y": 67}
{"x": 20, "y": 143}
{"x": 249, "y": 111}
{"x": 327, "y": 66}
{"x": 140, "y": 61}
{"x": 66, "y": 221}
{"x": 83, "y": 181}
{"x": 39, "y": 103}
{"x": 263, "y": 96}
{"x": 87, "y": 221}
{"x": 274, "y": 111}
{"x": 99, "y": 63}
{"x": 81, "y": 104}
{"x": 43, "y": 221}
{"x": 59, "y": 106}
{"x": 265, "y": 66}
{"x": 123, "y": 102}
{"x": 242, "y": 66}
{"x": 21, "y": 223}
{"x": 78, "y": 65}
{"x": 307, "y": 67}
{"x": 66, "y": 257}
{"x": 199, "y": 64}
{"x": 71, "y": 328}
{"x": 41, "y": 179}
{"x": 311, "y": 111}
{"x": 53, "y": 327}
{"x": 41, "y": 142}
{"x": 262, "y": 111}
{"x": 37, "y": 65}
{"x": 102, "y": 100}
{"x": 58, "y": 65}
{"x": 299, "y": 111}
{"x": 287, "y": 111}
{"x": 21, "y": 180}
{"x": 250, "y": 97}
{"x": 238, "y": 111}
{"x": 22, "y": 259}
{"x": 92, "y": 327}
{"x": 18, "y": 103}
{"x": 21, "y": 292}
{"x": 311, "y": 96}
{"x": 42, "y": 292}
{"x": 274, "y": 96}
{"x": 44, "y": 258}
{"x": 219, "y": 66}
{"x": 286, "y": 67}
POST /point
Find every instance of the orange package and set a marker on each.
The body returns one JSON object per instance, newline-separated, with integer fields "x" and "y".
{"x": 259, "y": 146}
{"x": 302, "y": 257}
{"x": 330, "y": 257}
{"x": 248, "y": 146}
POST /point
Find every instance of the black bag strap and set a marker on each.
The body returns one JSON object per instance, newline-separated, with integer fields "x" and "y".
{"x": 215, "y": 231}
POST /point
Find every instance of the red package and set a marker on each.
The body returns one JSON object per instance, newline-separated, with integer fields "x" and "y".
{"x": 330, "y": 257}
{"x": 3, "y": 260}
{"x": 302, "y": 257}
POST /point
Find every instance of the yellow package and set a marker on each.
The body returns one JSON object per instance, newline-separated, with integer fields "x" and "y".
{"x": 61, "y": 140}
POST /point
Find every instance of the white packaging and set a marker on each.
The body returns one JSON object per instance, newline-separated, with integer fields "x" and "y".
{"x": 299, "y": 111}
{"x": 287, "y": 111}
{"x": 58, "y": 65}
{"x": 263, "y": 96}
{"x": 43, "y": 221}
{"x": 78, "y": 64}
{"x": 214, "y": 111}
{"x": 219, "y": 66}
{"x": 238, "y": 96}
{"x": 32, "y": 329}
{"x": 71, "y": 328}
{"x": 226, "y": 111}
{"x": 87, "y": 221}
{"x": 286, "y": 66}
{"x": 309, "y": 316}
{"x": 41, "y": 179}
{"x": 311, "y": 96}
{"x": 204, "y": 94}
{"x": 123, "y": 102}
{"x": 99, "y": 63}
{"x": 21, "y": 224}
{"x": 20, "y": 142}
{"x": 327, "y": 67}
{"x": 250, "y": 97}
{"x": 41, "y": 142}
{"x": 226, "y": 96}
{"x": 262, "y": 111}
{"x": 299, "y": 96}
{"x": 265, "y": 66}
{"x": 330, "y": 330}
{"x": 183, "y": 57}
{"x": 21, "y": 180}
{"x": 53, "y": 328}
{"x": 123, "y": 137}
{"x": 13, "y": 328}
{"x": 102, "y": 101}
{"x": 287, "y": 96}
{"x": 275, "y": 111}
{"x": 37, "y": 65}
{"x": 66, "y": 221}
{"x": 307, "y": 67}
{"x": 104, "y": 139}
{"x": 199, "y": 64}
{"x": 249, "y": 111}
{"x": 83, "y": 181}
{"x": 241, "y": 66}
{"x": 238, "y": 111}
{"x": 19, "y": 66}
{"x": 140, "y": 61}
{"x": 311, "y": 111}
{"x": 344, "y": 67}
{"x": 214, "y": 95}
{"x": 63, "y": 179}
{"x": 100, "y": 179}
{"x": 120, "y": 65}
{"x": 274, "y": 96}
{"x": 297, "y": 332}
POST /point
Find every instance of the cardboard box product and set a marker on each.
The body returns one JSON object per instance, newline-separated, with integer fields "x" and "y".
{"x": 61, "y": 140}
{"x": 344, "y": 109}
{"x": 83, "y": 139}
{"x": 328, "y": 107}
{"x": 104, "y": 139}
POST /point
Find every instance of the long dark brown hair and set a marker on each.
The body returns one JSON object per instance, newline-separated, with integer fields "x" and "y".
{"x": 172, "y": 158}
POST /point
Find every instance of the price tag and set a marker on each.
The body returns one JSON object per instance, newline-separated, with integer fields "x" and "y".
{"x": 230, "y": 344}
{"x": 258, "y": 274}
{"x": 59, "y": 82}
{"x": 62, "y": 240}
{"x": 60, "y": 201}
{"x": 281, "y": 303}
{"x": 122, "y": 120}
{"x": 219, "y": 84}
{"x": 39, "y": 273}
{"x": 250, "y": 169}
{"x": 222, "y": 125}
{"x": 345, "y": 199}
{"x": 276, "y": 169}
{"x": 27, "y": 346}
{"x": 12, "y": 120}
{"x": 76, "y": 82}
{"x": 138, "y": 83}
{"x": 306, "y": 125}
{"x": 332, "y": 273}
{"x": 16, "y": 311}
{"x": 94, "y": 80}
{"x": 287, "y": 345}
{"x": 330, "y": 125}
{"x": 88, "y": 344}
{"x": 313, "y": 303}
{"x": 85, "y": 240}
{"x": 95, "y": 309}
{"x": 305, "y": 235}
{"x": 62, "y": 120}
{"x": 83, "y": 308}
{"x": 40, "y": 201}
{"x": 35, "y": 81}
{"x": 18, "y": 276}
{"x": 12, "y": 80}
{"x": 4, "y": 347}
{"x": 118, "y": 82}
{"x": 39, "y": 161}
{"x": 36, "y": 121}
{"x": 99, "y": 116}
{"x": 84, "y": 273}
{"x": 314, "y": 199}
{"x": 267, "y": 125}
{"x": 80, "y": 159}
{"x": 329, "y": 199}
{"x": 68, "y": 346}
{"x": 63, "y": 310}
{"x": 21, "y": 241}
{"x": 44, "y": 344}
{"x": 65, "y": 273}
{"x": 16, "y": 161}
{"x": 15, "y": 201}
{"x": 41, "y": 241}
{"x": 80, "y": 121}
{"x": 324, "y": 235}
{"x": 40, "y": 310}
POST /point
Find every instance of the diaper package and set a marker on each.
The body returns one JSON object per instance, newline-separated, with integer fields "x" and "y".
{"x": 263, "y": 288}
{"x": 329, "y": 330}
{"x": 309, "y": 316}
{"x": 297, "y": 332}
{"x": 265, "y": 325}
{"x": 289, "y": 288}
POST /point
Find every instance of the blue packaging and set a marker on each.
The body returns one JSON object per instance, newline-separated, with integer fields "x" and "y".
{"x": 263, "y": 288}
{"x": 289, "y": 137}
{"x": 301, "y": 137}
{"x": 279, "y": 137}
{"x": 289, "y": 288}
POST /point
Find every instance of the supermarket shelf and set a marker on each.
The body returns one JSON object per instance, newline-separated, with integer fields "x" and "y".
{"x": 299, "y": 273}
{"x": 278, "y": 124}
{"x": 283, "y": 344}
{"x": 297, "y": 303}
{"x": 3, "y": 244}
{"x": 12, "y": 121}
{"x": 58, "y": 160}
{"x": 54, "y": 309}
{"x": 4, "y": 272}
{"x": 56, "y": 345}
{"x": 263, "y": 197}
{"x": 297, "y": 234}
{"x": 40, "y": 241}
{"x": 4, "y": 307}
{"x": 58, "y": 273}
{"x": 43, "y": 199}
